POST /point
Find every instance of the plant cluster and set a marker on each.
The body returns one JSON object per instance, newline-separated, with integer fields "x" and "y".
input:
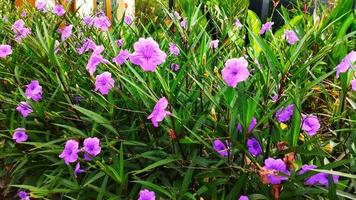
{"x": 196, "y": 104}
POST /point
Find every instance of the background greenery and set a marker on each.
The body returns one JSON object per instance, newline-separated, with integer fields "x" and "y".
{"x": 134, "y": 154}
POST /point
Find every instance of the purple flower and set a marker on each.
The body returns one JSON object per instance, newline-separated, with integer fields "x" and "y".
{"x": 34, "y": 91}
{"x": 266, "y": 27}
{"x": 5, "y": 50}
{"x": 23, "y": 195}
{"x": 58, "y": 10}
{"x": 91, "y": 147}
{"x": 254, "y": 147}
{"x": 319, "y": 178}
{"x": 78, "y": 99}
{"x": 291, "y": 36}
{"x": 24, "y": 14}
{"x": 146, "y": 195}
{"x": 353, "y": 84}
{"x": 70, "y": 152}
{"x": 94, "y": 60}
{"x": 147, "y": 54}
{"x": 159, "y": 111}
{"x": 284, "y": 114}
{"x": 104, "y": 83}
{"x": 275, "y": 97}
{"x": 173, "y": 49}
{"x": 121, "y": 57}
{"x": 20, "y": 30}
{"x": 174, "y": 67}
{"x": 176, "y": 14}
{"x": 184, "y": 24}
{"x": 235, "y": 71}
{"x": 99, "y": 49}
{"x": 346, "y": 63}
{"x": 242, "y": 197}
{"x": 238, "y": 24}
{"x": 24, "y": 108}
{"x": 66, "y": 32}
{"x": 278, "y": 169}
{"x": 102, "y": 23}
{"x": 88, "y": 21}
{"x": 41, "y": 5}
{"x": 310, "y": 124}
{"x": 88, "y": 44}
{"x": 128, "y": 20}
{"x": 221, "y": 148}
{"x": 77, "y": 170}
{"x": 20, "y": 135}
{"x": 120, "y": 42}
{"x": 214, "y": 44}
{"x": 250, "y": 128}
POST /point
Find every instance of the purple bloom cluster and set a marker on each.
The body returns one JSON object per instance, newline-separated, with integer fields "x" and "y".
{"x": 121, "y": 57}
{"x": 235, "y": 71}
{"x": 88, "y": 21}
{"x": 177, "y": 15}
{"x": 104, "y": 83}
{"x": 184, "y": 24}
{"x": 71, "y": 150}
{"x": 284, "y": 114}
{"x": 95, "y": 59}
{"x": 66, "y": 32}
{"x": 41, "y": 5}
{"x": 20, "y": 135}
{"x": 242, "y": 197}
{"x": 20, "y": 30}
{"x": 254, "y": 147}
{"x": 77, "y": 169}
{"x": 88, "y": 45}
{"x": 24, "y": 14}
{"x": 266, "y": 27}
{"x": 346, "y": 63}
{"x": 159, "y": 111}
{"x": 147, "y": 54}
{"x": 128, "y": 20}
{"x": 310, "y": 124}
{"x": 34, "y": 91}
{"x": 102, "y": 23}
{"x": 214, "y": 44}
{"x": 221, "y": 148}
{"x": 120, "y": 42}
{"x": 58, "y": 10}
{"x": 291, "y": 36}
{"x": 319, "y": 178}
{"x": 5, "y": 50}
{"x": 278, "y": 170}
{"x": 353, "y": 84}
{"x": 251, "y": 126}
{"x": 23, "y": 195}
{"x": 175, "y": 67}
{"x": 24, "y": 108}
{"x": 91, "y": 148}
{"x": 146, "y": 195}
{"x": 173, "y": 49}
{"x": 238, "y": 24}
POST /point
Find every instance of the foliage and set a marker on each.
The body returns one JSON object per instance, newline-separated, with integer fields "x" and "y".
{"x": 177, "y": 160}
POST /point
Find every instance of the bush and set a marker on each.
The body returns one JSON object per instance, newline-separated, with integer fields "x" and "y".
{"x": 202, "y": 107}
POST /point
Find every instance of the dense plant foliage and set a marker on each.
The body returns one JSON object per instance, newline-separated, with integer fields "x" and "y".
{"x": 203, "y": 102}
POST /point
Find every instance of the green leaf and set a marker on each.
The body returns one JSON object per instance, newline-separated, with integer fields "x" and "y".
{"x": 96, "y": 118}
{"x": 154, "y": 165}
